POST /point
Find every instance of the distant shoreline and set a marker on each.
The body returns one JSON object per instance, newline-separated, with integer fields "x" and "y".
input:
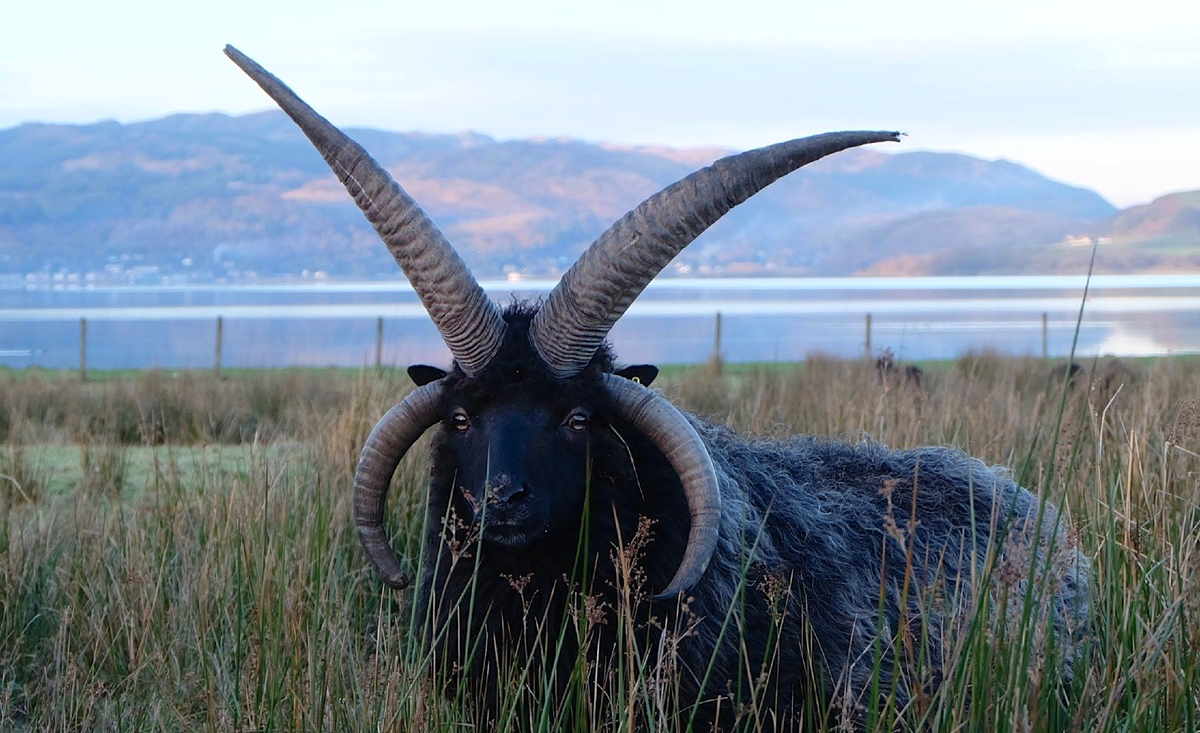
{"x": 765, "y": 283}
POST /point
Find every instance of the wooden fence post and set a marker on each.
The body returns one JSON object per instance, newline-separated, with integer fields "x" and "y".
{"x": 378, "y": 343}
{"x": 1045, "y": 335}
{"x": 716, "y": 355}
{"x": 83, "y": 349}
{"x": 217, "y": 350}
{"x": 867, "y": 343}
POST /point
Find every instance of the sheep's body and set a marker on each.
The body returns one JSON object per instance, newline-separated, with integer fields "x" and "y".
{"x": 837, "y": 516}
{"x": 833, "y": 517}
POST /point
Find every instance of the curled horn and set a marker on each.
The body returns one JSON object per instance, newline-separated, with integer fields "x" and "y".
{"x": 671, "y": 433}
{"x": 470, "y": 323}
{"x": 393, "y": 435}
{"x": 614, "y": 270}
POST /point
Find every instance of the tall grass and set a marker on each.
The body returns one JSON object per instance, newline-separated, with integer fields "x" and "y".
{"x": 175, "y": 596}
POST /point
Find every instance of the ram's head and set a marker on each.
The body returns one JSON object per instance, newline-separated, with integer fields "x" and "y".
{"x": 529, "y": 389}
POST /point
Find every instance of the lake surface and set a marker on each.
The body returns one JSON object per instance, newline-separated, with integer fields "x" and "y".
{"x": 763, "y": 319}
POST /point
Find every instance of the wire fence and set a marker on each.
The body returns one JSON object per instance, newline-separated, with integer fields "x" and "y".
{"x": 222, "y": 343}
{"x": 675, "y": 321}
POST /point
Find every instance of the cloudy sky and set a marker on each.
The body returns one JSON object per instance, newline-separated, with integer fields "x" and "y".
{"x": 1096, "y": 93}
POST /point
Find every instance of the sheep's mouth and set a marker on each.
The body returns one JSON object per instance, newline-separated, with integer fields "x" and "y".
{"x": 508, "y": 526}
{"x": 501, "y": 523}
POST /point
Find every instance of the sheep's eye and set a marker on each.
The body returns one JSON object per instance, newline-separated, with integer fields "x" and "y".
{"x": 459, "y": 420}
{"x": 577, "y": 421}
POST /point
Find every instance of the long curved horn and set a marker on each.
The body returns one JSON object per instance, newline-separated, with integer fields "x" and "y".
{"x": 669, "y": 430}
{"x": 470, "y": 323}
{"x": 393, "y": 435}
{"x": 614, "y": 270}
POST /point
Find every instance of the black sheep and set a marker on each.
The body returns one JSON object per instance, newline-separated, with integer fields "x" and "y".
{"x": 910, "y": 376}
{"x": 564, "y": 489}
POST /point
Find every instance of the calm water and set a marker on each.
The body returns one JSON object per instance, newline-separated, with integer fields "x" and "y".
{"x": 673, "y": 322}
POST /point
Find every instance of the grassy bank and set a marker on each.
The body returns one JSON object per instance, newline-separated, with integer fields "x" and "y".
{"x": 177, "y": 553}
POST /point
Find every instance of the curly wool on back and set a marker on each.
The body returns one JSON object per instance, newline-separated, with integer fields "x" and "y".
{"x": 837, "y": 522}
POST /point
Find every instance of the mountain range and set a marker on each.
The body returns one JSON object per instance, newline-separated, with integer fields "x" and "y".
{"x": 214, "y": 197}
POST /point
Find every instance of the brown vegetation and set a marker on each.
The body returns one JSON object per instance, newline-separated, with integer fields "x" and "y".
{"x": 171, "y": 596}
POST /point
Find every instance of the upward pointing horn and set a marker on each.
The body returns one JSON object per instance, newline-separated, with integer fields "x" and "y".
{"x": 470, "y": 323}
{"x": 614, "y": 270}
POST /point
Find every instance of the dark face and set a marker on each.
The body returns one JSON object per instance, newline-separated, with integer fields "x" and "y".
{"x": 515, "y": 449}
{"x": 520, "y": 460}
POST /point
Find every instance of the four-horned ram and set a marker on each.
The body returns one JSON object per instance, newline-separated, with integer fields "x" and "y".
{"x": 563, "y": 489}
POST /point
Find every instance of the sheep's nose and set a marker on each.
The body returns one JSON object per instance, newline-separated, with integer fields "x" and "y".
{"x": 509, "y": 492}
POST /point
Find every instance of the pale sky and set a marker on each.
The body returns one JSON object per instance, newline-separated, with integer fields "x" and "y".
{"x": 1095, "y": 93}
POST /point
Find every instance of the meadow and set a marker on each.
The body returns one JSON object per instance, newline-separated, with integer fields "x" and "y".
{"x": 177, "y": 551}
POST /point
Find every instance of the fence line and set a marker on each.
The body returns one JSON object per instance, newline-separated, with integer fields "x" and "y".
{"x": 668, "y": 343}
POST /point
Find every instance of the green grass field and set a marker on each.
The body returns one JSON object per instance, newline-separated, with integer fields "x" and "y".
{"x": 177, "y": 552}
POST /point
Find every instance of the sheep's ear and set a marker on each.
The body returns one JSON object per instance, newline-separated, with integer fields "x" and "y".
{"x": 643, "y": 374}
{"x": 423, "y": 374}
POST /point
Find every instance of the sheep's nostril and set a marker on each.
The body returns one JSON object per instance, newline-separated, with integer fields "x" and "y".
{"x": 508, "y": 493}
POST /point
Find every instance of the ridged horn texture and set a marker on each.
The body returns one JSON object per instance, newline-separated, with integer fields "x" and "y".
{"x": 669, "y": 430}
{"x": 470, "y": 323}
{"x": 614, "y": 270}
{"x": 393, "y": 435}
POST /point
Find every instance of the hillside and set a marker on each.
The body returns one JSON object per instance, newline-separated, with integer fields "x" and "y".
{"x": 201, "y": 197}
{"x": 1166, "y": 222}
